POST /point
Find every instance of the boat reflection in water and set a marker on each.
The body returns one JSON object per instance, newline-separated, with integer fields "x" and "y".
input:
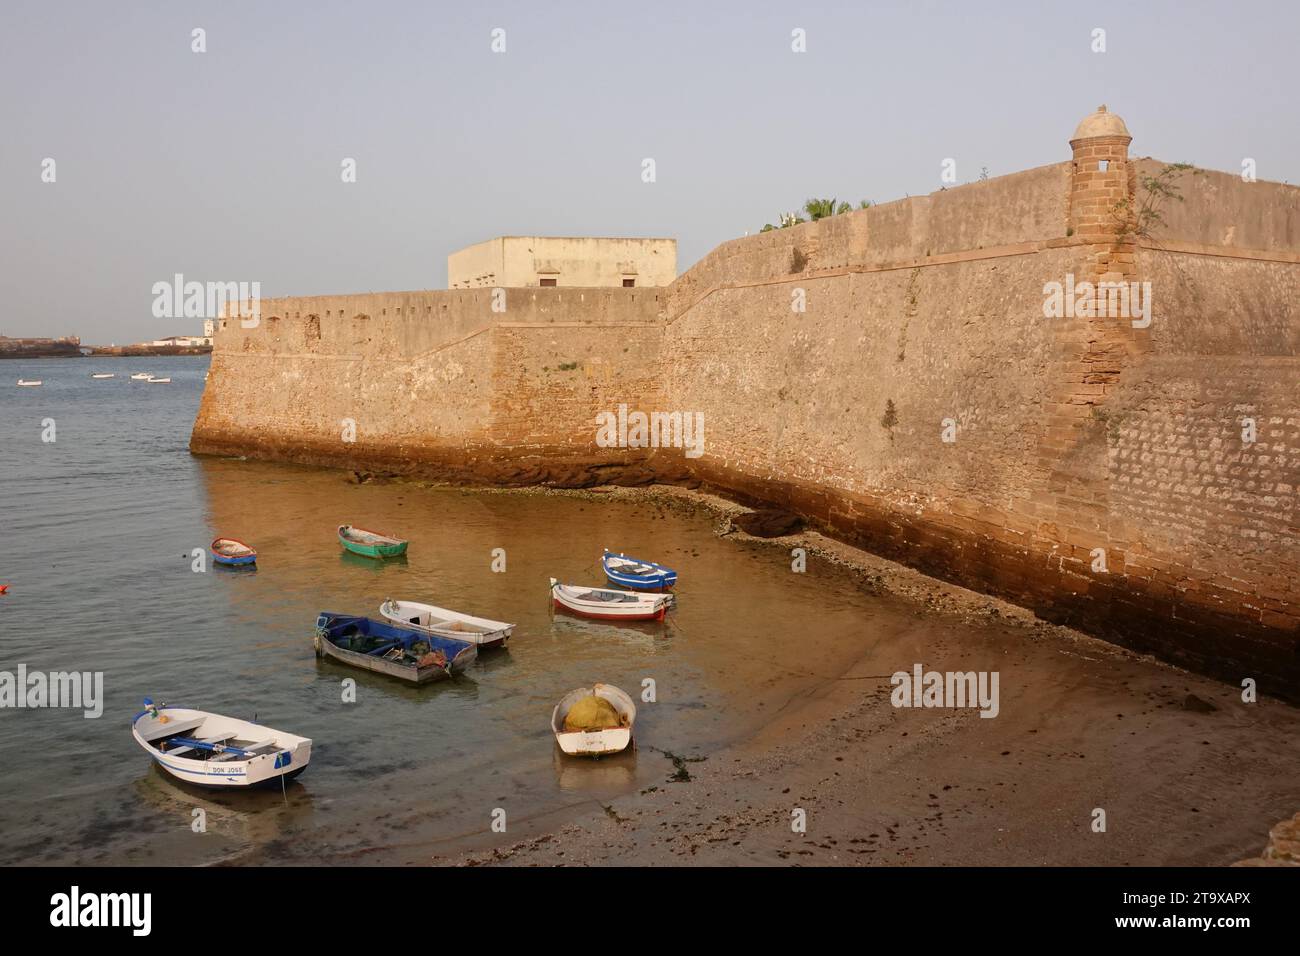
{"x": 199, "y": 823}
{"x": 370, "y": 564}
{"x": 609, "y": 776}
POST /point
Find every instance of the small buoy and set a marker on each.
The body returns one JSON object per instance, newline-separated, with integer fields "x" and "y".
{"x": 4, "y": 588}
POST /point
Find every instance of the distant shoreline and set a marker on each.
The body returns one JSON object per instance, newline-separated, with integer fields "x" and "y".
{"x": 121, "y": 351}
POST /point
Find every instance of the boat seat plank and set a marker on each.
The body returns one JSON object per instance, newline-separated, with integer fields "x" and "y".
{"x": 172, "y": 729}
{"x": 609, "y": 598}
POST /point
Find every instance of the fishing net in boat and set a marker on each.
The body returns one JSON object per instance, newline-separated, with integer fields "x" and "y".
{"x": 592, "y": 713}
{"x": 432, "y": 659}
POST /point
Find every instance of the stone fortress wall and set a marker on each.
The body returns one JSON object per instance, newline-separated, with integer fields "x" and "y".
{"x": 1078, "y": 443}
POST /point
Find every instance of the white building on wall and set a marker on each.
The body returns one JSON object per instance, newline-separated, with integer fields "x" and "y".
{"x": 522, "y": 261}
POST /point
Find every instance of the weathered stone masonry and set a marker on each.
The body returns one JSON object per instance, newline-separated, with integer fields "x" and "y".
{"x": 1072, "y": 434}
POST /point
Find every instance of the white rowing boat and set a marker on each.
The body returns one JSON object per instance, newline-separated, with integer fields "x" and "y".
{"x": 23, "y": 383}
{"x": 215, "y": 751}
{"x": 159, "y": 381}
{"x": 447, "y": 623}
{"x": 103, "y": 375}
{"x": 607, "y": 604}
{"x": 595, "y": 742}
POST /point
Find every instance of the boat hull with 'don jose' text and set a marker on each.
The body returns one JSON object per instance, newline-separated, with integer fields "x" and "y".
{"x": 210, "y": 750}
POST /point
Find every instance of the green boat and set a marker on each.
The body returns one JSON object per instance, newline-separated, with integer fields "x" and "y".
{"x": 370, "y": 544}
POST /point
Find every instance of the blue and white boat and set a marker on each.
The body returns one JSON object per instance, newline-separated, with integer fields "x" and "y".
{"x": 637, "y": 574}
{"x": 233, "y": 553}
{"x": 214, "y": 751}
{"x": 409, "y": 653}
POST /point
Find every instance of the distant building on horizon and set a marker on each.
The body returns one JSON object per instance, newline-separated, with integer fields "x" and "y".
{"x": 183, "y": 341}
{"x": 524, "y": 261}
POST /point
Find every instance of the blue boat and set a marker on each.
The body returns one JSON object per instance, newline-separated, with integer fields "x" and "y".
{"x": 637, "y": 574}
{"x": 232, "y": 553}
{"x": 402, "y": 652}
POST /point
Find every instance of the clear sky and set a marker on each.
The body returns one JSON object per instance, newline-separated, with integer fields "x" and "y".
{"x": 225, "y": 165}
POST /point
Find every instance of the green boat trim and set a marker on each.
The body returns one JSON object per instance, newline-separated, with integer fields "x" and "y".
{"x": 370, "y": 544}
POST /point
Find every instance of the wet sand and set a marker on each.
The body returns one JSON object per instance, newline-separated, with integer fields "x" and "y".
{"x": 1082, "y": 725}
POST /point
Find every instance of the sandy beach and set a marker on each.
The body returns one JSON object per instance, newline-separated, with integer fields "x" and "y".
{"x": 1185, "y": 771}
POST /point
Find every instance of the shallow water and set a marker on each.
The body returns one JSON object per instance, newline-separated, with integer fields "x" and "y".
{"x": 99, "y": 528}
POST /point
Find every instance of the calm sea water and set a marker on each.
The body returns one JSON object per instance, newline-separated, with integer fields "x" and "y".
{"x": 98, "y": 532}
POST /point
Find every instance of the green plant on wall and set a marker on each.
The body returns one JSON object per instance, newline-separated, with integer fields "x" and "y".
{"x": 1140, "y": 219}
{"x": 821, "y": 208}
{"x": 815, "y": 209}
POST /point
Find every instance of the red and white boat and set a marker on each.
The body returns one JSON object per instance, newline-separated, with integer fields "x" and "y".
{"x": 610, "y": 605}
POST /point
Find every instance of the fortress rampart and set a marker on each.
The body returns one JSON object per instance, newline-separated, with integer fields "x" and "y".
{"x": 1097, "y": 469}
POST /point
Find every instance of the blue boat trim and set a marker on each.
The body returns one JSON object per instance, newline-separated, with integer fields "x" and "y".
{"x": 204, "y": 745}
{"x": 227, "y": 560}
{"x": 663, "y": 577}
{"x": 228, "y": 774}
{"x": 331, "y": 627}
{"x": 233, "y": 560}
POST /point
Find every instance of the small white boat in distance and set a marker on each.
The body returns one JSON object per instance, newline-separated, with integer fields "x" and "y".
{"x": 607, "y": 604}
{"x": 447, "y": 623}
{"x": 103, "y": 375}
{"x": 158, "y": 381}
{"x": 594, "y": 742}
{"x": 215, "y": 751}
{"x": 141, "y": 376}
{"x": 26, "y": 384}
